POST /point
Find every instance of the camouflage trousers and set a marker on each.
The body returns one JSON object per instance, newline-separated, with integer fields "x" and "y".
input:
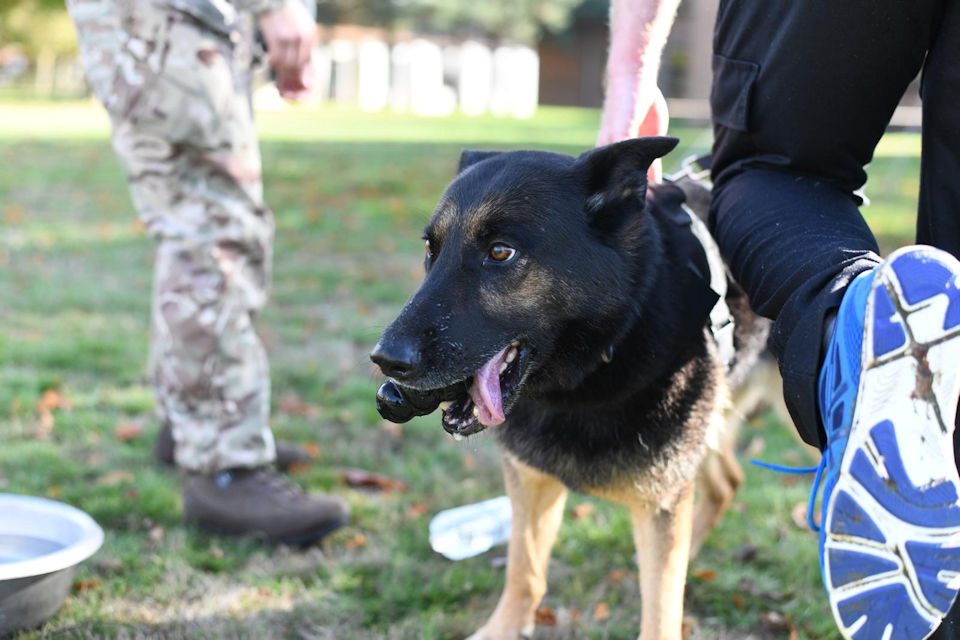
{"x": 178, "y": 95}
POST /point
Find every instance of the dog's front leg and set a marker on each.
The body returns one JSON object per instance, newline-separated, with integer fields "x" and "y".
{"x": 662, "y": 534}
{"x": 537, "y": 500}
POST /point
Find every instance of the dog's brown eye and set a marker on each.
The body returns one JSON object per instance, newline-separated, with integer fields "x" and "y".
{"x": 501, "y": 252}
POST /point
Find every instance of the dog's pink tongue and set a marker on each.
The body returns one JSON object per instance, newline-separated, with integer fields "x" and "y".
{"x": 486, "y": 394}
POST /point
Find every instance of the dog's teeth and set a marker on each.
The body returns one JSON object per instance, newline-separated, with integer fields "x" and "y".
{"x": 476, "y": 411}
{"x": 503, "y": 367}
{"x": 515, "y": 343}
{"x": 511, "y": 356}
{"x": 457, "y": 436}
{"x": 445, "y": 405}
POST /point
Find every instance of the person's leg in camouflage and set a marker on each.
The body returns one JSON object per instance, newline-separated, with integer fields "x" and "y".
{"x": 178, "y": 93}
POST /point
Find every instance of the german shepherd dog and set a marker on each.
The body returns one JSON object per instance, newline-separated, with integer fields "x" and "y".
{"x": 560, "y": 310}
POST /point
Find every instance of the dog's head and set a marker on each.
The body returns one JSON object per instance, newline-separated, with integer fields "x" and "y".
{"x": 514, "y": 249}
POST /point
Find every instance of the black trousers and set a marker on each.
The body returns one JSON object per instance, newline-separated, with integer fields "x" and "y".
{"x": 802, "y": 92}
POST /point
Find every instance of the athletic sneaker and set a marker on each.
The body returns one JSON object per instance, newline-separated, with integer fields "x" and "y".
{"x": 890, "y": 525}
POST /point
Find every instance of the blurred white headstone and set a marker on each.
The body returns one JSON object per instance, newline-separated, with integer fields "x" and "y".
{"x": 400, "y": 76}
{"x": 344, "y": 67}
{"x": 516, "y": 81}
{"x": 428, "y": 95}
{"x": 322, "y": 66}
{"x": 475, "y": 80}
{"x": 373, "y": 84}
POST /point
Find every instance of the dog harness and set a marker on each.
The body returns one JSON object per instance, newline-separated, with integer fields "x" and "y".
{"x": 685, "y": 196}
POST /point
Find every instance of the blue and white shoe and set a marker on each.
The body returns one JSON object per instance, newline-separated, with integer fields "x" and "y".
{"x": 890, "y": 525}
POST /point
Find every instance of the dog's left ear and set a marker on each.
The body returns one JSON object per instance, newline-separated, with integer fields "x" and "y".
{"x": 470, "y": 157}
{"x": 618, "y": 171}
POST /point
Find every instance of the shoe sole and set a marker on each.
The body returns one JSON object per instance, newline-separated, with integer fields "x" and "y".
{"x": 891, "y": 550}
{"x": 291, "y": 540}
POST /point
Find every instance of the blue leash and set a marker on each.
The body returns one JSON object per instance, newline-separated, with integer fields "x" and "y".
{"x": 811, "y": 502}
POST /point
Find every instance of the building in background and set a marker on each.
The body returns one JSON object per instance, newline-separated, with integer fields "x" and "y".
{"x": 428, "y": 62}
{"x": 572, "y": 62}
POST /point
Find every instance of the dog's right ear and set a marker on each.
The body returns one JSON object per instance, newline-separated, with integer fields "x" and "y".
{"x": 617, "y": 172}
{"x": 470, "y": 157}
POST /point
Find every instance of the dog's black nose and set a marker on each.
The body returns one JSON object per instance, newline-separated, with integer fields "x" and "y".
{"x": 396, "y": 360}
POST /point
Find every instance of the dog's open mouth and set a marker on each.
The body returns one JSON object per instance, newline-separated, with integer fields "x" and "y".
{"x": 489, "y": 395}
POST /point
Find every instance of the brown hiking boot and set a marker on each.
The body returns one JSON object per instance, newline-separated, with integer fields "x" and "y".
{"x": 288, "y": 454}
{"x": 260, "y": 503}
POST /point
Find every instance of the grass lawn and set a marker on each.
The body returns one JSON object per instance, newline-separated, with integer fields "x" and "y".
{"x": 351, "y": 194}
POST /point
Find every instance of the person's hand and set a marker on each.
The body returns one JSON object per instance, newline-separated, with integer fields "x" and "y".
{"x": 622, "y": 121}
{"x": 290, "y": 34}
{"x": 296, "y": 86}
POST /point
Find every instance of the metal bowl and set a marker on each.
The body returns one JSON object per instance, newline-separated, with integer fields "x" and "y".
{"x": 41, "y": 541}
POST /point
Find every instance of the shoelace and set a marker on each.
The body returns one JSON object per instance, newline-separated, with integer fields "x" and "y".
{"x": 812, "y": 500}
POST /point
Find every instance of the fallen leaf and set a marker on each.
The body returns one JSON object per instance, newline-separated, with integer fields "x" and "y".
{"x": 799, "y": 516}
{"x": 356, "y": 542}
{"x": 51, "y": 399}
{"x": 299, "y": 468}
{"x": 370, "y": 480}
{"x": 687, "y": 627}
{"x": 704, "y": 574}
{"x": 105, "y": 231}
{"x": 312, "y": 449}
{"x": 54, "y": 491}
{"x": 416, "y": 510}
{"x": 14, "y": 214}
{"x": 545, "y": 617}
{"x": 469, "y": 462}
{"x": 293, "y": 405}
{"x": 738, "y": 602}
{"x": 131, "y": 494}
{"x": 582, "y": 510}
{"x": 127, "y": 431}
{"x": 113, "y": 478}
{"x": 574, "y": 615}
{"x": 616, "y": 575}
{"x": 85, "y": 585}
{"x": 601, "y": 611}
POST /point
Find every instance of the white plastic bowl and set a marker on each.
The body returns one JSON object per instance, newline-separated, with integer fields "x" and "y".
{"x": 41, "y": 541}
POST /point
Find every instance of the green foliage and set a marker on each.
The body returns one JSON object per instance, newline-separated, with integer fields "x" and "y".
{"x": 37, "y": 26}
